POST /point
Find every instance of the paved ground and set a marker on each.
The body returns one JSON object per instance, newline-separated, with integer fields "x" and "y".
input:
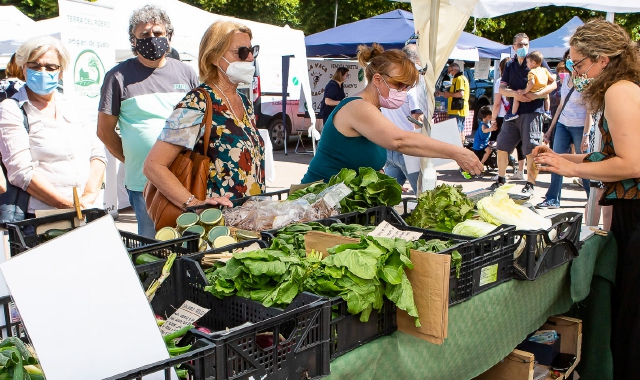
{"x": 290, "y": 168}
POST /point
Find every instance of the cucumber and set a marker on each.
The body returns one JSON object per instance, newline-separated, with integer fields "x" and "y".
{"x": 146, "y": 258}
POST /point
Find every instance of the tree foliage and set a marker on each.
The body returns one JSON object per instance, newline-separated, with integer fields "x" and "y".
{"x": 275, "y": 12}
{"x": 35, "y": 9}
{"x": 539, "y": 22}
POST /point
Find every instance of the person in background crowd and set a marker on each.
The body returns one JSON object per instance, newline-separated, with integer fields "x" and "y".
{"x": 138, "y": 95}
{"x": 459, "y": 89}
{"x": 481, "y": 141}
{"x": 500, "y": 107}
{"x": 570, "y": 125}
{"x": 13, "y": 81}
{"x": 357, "y": 134}
{"x": 236, "y": 149}
{"x": 537, "y": 80}
{"x": 396, "y": 162}
{"x": 527, "y": 128}
{"x": 606, "y": 70}
{"x": 333, "y": 93}
{"x": 59, "y": 151}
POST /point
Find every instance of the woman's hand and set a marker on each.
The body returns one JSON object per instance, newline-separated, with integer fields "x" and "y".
{"x": 547, "y": 137}
{"x": 585, "y": 144}
{"x": 468, "y": 162}
{"x": 549, "y": 161}
{"x": 214, "y": 201}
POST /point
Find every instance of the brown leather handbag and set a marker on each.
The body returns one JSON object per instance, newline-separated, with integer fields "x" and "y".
{"x": 191, "y": 169}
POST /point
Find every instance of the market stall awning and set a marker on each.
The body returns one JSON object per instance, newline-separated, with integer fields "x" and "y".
{"x": 554, "y": 44}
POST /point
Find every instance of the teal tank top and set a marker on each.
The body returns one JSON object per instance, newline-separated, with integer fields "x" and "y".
{"x": 336, "y": 151}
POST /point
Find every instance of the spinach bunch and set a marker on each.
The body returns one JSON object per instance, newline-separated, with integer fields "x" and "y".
{"x": 290, "y": 239}
{"x": 369, "y": 188}
{"x": 441, "y": 209}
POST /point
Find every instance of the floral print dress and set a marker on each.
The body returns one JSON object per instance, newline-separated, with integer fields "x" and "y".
{"x": 236, "y": 149}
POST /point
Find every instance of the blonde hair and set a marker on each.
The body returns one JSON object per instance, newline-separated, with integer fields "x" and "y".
{"x": 13, "y": 70}
{"x": 214, "y": 44}
{"x": 536, "y": 57}
{"x": 380, "y": 61}
{"x": 600, "y": 38}
{"x": 36, "y": 47}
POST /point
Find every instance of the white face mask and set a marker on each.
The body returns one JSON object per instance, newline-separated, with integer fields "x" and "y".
{"x": 239, "y": 71}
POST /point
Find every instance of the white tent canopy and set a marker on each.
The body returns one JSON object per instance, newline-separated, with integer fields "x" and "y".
{"x": 495, "y": 8}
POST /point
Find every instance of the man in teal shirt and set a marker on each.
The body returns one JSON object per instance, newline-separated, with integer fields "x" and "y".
{"x": 138, "y": 95}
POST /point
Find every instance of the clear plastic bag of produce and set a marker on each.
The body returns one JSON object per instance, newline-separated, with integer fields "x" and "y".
{"x": 262, "y": 213}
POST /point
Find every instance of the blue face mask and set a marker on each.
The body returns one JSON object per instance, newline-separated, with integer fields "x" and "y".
{"x": 569, "y": 64}
{"x": 522, "y": 52}
{"x": 42, "y": 82}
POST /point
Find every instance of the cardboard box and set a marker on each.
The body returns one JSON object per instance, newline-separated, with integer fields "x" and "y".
{"x": 518, "y": 365}
{"x": 429, "y": 279}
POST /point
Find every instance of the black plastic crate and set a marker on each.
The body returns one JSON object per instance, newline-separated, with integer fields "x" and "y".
{"x": 11, "y": 323}
{"x": 372, "y": 216}
{"x": 183, "y": 246}
{"x": 195, "y": 361}
{"x": 348, "y": 333}
{"x": 269, "y": 235}
{"x": 132, "y": 240}
{"x": 303, "y": 327}
{"x": 537, "y": 253}
{"x": 22, "y": 235}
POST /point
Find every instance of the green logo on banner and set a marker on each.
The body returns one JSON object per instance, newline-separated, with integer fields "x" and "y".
{"x": 295, "y": 81}
{"x": 88, "y": 73}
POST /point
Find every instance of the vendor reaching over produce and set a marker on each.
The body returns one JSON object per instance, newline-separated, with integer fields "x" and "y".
{"x": 356, "y": 134}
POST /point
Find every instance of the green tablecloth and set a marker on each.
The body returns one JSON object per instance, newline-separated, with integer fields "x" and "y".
{"x": 484, "y": 329}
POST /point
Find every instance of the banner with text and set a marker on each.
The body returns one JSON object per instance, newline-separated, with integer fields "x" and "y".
{"x": 321, "y": 71}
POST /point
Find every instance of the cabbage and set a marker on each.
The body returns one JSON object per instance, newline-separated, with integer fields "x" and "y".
{"x": 500, "y": 209}
{"x": 475, "y": 228}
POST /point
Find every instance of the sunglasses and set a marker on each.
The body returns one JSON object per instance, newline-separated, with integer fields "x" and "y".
{"x": 47, "y": 66}
{"x": 398, "y": 86}
{"x": 243, "y": 52}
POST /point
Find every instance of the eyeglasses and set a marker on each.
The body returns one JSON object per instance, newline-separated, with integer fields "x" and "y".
{"x": 243, "y": 52}
{"x": 522, "y": 44}
{"x": 570, "y": 65}
{"x": 47, "y": 66}
{"x": 399, "y": 86}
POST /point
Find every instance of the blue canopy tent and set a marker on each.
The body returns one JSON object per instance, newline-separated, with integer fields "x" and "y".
{"x": 554, "y": 44}
{"x": 391, "y": 30}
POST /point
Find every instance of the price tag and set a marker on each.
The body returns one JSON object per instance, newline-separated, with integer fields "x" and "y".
{"x": 188, "y": 313}
{"x": 386, "y": 230}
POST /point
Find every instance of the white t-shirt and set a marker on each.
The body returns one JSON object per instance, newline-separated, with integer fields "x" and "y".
{"x": 399, "y": 115}
{"x": 574, "y": 112}
{"x": 496, "y": 90}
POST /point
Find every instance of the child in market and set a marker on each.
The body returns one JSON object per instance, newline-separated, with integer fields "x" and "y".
{"x": 481, "y": 141}
{"x": 537, "y": 80}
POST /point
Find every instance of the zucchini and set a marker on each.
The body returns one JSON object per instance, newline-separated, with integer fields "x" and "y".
{"x": 146, "y": 258}
{"x": 54, "y": 233}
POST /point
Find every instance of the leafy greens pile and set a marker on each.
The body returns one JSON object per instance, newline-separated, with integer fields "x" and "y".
{"x": 369, "y": 188}
{"x": 441, "y": 209}
{"x": 361, "y": 273}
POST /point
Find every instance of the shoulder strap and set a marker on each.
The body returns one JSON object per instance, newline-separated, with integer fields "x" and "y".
{"x": 566, "y": 100}
{"x": 207, "y": 118}
{"x": 25, "y": 120}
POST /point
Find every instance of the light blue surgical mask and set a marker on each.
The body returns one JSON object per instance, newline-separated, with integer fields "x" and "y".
{"x": 42, "y": 82}
{"x": 522, "y": 52}
{"x": 569, "y": 64}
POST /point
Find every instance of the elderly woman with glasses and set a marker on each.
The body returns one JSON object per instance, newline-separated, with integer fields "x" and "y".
{"x": 236, "y": 149}
{"x": 47, "y": 149}
{"x": 357, "y": 134}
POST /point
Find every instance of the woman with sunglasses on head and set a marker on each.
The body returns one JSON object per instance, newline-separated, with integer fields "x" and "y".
{"x": 236, "y": 149}
{"x": 357, "y": 134}
{"x": 606, "y": 71}
{"x": 46, "y": 148}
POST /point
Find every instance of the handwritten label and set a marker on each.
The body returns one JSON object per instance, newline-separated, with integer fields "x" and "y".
{"x": 188, "y": 313}
{"x": 386, "y": 230}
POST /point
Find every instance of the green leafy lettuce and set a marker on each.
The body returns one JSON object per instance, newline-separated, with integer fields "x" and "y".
{"x": 441, "y": 209}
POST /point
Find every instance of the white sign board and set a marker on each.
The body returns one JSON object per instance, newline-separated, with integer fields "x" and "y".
{"x": 86, "y": 32}
{"x": 321, "y": 71}
{"x": 80, "y": 295}
{"x": 446, "y": 131}
{"x": 482, "y": 67}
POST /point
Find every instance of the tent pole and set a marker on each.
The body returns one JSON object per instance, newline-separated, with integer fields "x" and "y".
{"x": 433, "y": 29}
{"x": 610, "y": 16}
{"x": 335, "y": 17}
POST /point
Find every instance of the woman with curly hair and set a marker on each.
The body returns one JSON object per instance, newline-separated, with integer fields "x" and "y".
{"x": 357, "y": 134}
{"x": 606, "y": 70}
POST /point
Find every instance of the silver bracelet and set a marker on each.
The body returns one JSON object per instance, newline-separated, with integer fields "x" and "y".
{"x": 184, "y": 206}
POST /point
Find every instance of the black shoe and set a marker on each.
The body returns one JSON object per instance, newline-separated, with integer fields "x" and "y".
{"x": 528, "y": 189}
{"x": 494, "y": 186}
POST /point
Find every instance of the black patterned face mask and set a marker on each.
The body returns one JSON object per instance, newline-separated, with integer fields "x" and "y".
{"x": 152, "y": 48}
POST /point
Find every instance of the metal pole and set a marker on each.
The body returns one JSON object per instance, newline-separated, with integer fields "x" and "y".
{"x": 335, "y": 17}
{"x": 610, "y": 16}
